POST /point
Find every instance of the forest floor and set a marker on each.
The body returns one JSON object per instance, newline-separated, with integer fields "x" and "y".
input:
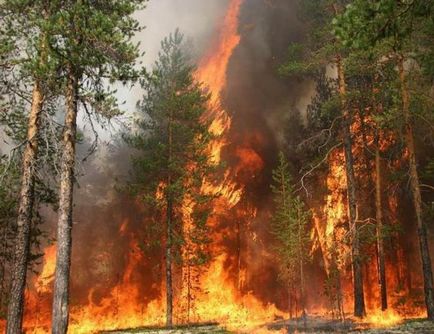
{"x": 324, "y": 326}
{"x": 191, "y": 329}
{"x": 313, "y": 326}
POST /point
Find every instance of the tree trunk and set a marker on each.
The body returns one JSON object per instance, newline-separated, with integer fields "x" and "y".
{"x": 301, "y": 268}
{"x": 359, "y": 301}
{"x": 189, "y": 288}
{"x": 381, "y": 258}
{"x": 336, "y": 277}
{"x": 63, "y": 256}
{"x": 239, "y": 255}
{"x": 290, "y": 300}
{"x": 169, "y": 232}
{"x": 24, "y": 219}
{"x": 339, "y": 297}
{"x": 379, "y": 218}
{"x": 302, "y": 293}
{"x": 417, "y": 198}
{"x": 169, "y": 288}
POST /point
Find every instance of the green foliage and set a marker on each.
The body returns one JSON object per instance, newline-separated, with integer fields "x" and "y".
{"x": 297, "y": 64}
{"x": 365, "y": 23}
{"x": 289, "y": 224}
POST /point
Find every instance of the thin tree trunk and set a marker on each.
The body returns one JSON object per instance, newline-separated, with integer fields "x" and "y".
{"x": 290, "y": 300}
{"x": 417, "y": 198}
{"x": 336, "y": 276}
{"x": 24, "y": 220}
{"x": 239, "y": 255}
{"x": 189, "y": 286}
{"x": 359, "y": 301}
{"x": 169, "y": 232}
{"x": 300, "y": 262}
{"x": 169, "y": 288}
{"x": 189, "y": 274}
{"x": 339, "y": 296}
{"x": 381, "y": 258}
{"x": 64, "y": 226}
{"x": 379, "y": 217}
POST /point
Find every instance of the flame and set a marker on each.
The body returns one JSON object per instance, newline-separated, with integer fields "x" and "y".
{"x": 379, "y": 319}
{"x": 334, "y": 210}
{"x": 121, "y": 308}
{"x": 46, "y": 277}
{"x": 222, "y": 302}
{"x": 213, "y": 67}
{"x": 212, "y": 72}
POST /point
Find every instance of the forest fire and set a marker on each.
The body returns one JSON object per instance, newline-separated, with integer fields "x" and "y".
{"x": 228, "y": 214}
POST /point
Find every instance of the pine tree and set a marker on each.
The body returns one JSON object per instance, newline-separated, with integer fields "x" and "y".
{"x": 24, "y": 59}
{"x": 93, "y": 42}
{"x": 289, "y": 227}
{"x": 173, "y": 140}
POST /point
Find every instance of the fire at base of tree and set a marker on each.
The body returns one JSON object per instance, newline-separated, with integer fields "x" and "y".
{"x": 275, "y": 176}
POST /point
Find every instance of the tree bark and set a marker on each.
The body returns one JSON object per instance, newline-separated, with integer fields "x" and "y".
{"x": 169, "y": 232}
{"x": 381, "y": 257}
{"x": 379, "y": 217}
{"x": 301, "y": 268}
{"x": 416, "y": 194}
{"x": 239, "y": 255}
{"x": 60, "y": 316}
{"x": 336, "y": 276}
{"x": 169, "y": 288}
{"x": 359, "y": 301}
{"x": 24, "y": 220}
{"x": 290, "y": 300}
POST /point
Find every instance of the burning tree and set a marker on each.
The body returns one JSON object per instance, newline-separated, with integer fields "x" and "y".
{"x": 323, "y": 50}
{"x": 289, "y": 226}
{"x": 400, "y": 28}
{"x": 173, "y": 140}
